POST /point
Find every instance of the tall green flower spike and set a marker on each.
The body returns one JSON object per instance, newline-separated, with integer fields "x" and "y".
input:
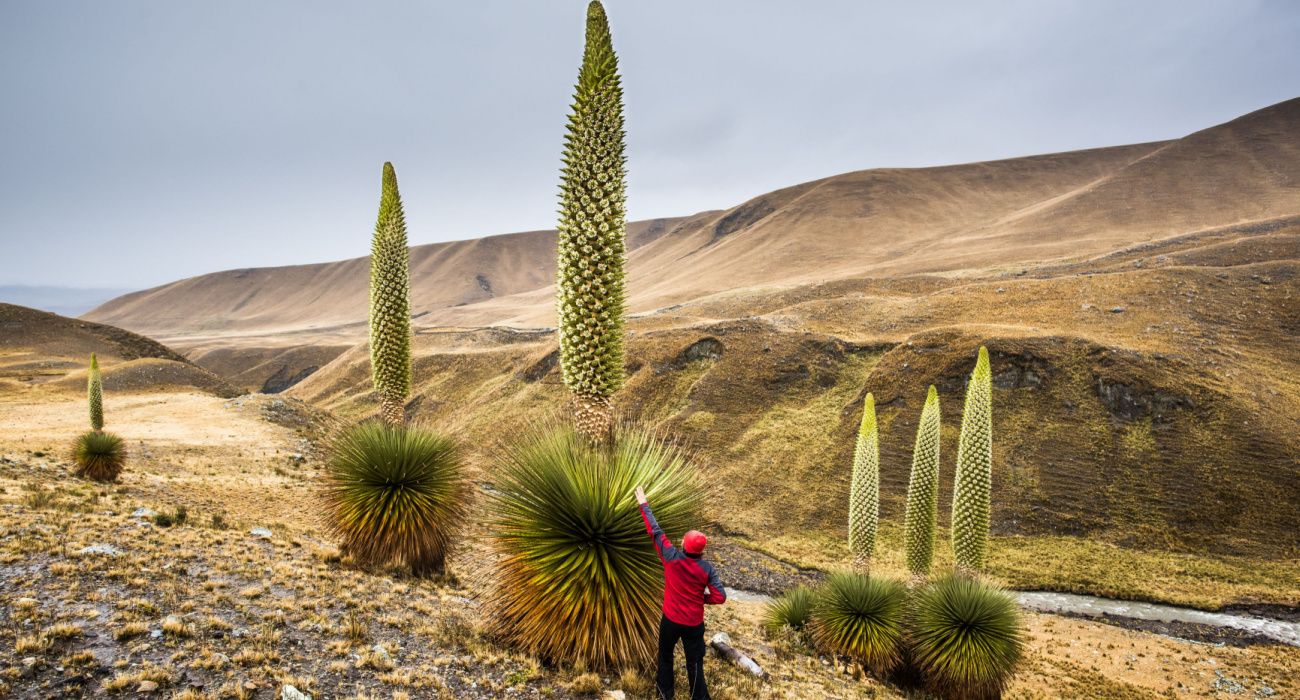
{"x": 95, "y": 394}
{"x": 972, "y": 484}
{"x": 923, "y": 491}
{"x": 864, "y": 491}
{"x": 591, "y": 250}
{"x": 390, "y": 304}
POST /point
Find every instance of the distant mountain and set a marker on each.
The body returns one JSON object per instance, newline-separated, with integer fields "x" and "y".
{"x": 65, "y": 301}
{"x": 886, "y": 222}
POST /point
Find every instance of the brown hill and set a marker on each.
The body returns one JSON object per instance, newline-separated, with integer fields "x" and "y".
{"x": 41, "y": 349}
{"x": 1141, "y": 304}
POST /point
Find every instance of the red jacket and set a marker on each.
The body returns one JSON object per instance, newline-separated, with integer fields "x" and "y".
{"x": 690, "y": 583}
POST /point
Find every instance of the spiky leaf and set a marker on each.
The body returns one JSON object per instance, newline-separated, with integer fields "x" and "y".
{"x": 923, "y": 490}
{"x": 860, "y": 617}
{"x": 95, "y": 394}
{"x": 395, "y": 494}
{"x": 592, "y": 223}
{"x": 390, "y": 305}
{"x": 864, "y": 491}
{"x": 972, "y": 483}
{"x": 579, "y": 578}
{"x": 99, "y": 456}
{"x": 793, "y": 610}
{"x": 966, "y": 637}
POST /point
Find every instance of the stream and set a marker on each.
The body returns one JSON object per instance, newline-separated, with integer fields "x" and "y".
{"x": 1093, "y": 606}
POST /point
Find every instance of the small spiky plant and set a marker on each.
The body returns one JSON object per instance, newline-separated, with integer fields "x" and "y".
{"x": 923, "y": 492}
{"x": 592, "y": 225}
{"x": 395, "y": 494}
{"x": 95, "y": 394}
{"x": 579, "y": 579}
{"x": 390, "y": 304}
{"x": 99, "y": 456}
{"x": 974, "y": 477}
{"x": 861, "y": 618}
{"x": 864, "y": 491}
{"x": 793, "y": 610}
{"x": 966, "y": 637}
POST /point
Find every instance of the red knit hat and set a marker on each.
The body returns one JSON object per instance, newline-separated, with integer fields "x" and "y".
{"x": 694, "y": 541}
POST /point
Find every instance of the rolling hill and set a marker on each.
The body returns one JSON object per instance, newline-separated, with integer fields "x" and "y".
{"x": 1141, "y": 304}
{"x": 44, "y": 351}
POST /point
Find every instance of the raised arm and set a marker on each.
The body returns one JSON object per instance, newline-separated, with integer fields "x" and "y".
{"x": 663, "y": 545}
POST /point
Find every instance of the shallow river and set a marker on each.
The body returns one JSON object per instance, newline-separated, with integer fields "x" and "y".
{"x": 1041, "y": 601}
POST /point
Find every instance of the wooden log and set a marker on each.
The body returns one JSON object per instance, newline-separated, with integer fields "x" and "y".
{"x": 721, "y": 643}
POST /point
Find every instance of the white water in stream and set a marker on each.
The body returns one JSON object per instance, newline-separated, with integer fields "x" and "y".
{"x": 1092, "y": 606}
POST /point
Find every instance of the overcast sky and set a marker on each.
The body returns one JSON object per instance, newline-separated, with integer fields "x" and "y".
{"x": 142, "y": 142}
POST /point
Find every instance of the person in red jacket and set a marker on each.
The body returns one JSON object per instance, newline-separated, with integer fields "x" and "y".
{"x": 690, "y": 583}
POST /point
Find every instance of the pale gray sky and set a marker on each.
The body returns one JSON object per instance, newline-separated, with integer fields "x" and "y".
{"x": 142, "y": 142}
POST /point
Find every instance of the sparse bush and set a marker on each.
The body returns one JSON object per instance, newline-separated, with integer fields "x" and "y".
{"x": 592, "y": 226}
{"x": 966, "y": 637}
{"x": 864, "y": 490}
{"x": 973, "y": 480}
{"x": 395, "y": 494}
{"x": 578, "y": 579}
{"x": 861, "y": 618}
{"x": 792, "y": 611}
{"x": 923, "y": 491}
{"x": 99, "y": 456}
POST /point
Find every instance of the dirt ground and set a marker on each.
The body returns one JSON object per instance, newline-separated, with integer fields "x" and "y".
{"x": 202, "y": 607}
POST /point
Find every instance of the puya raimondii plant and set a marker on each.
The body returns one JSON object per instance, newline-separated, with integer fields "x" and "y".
{"x": 923, "y": 492}
{"x": 393, "y": 493}
{"x": 99, "y": 455}
{"x": 390, "y": 304}
{"x": 864, "y": 490}
{"x": 973, "y": 481}
{"x": 592, "y": 226}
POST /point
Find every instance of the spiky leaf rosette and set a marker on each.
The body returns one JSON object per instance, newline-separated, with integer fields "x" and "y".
{"x": 923, "y": 491}
{"x": 390, "y": 303}
{"x": 95, "y": 394}
{"x": 966, "y": 637}
{"x": 99, "y": 456}
{"x": 579, "y": 578}
{"x": 791, "y": 611}
{"x": 395, "y": 494}
{"x": 864, "y": 491}
{"x": 973, "y": 481}
{"x": 592, "y": 224}
{"x": 860, "y": 617}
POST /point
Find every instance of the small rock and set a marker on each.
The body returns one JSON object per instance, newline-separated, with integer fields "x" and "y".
{"x": 1117, "y": 310}
{"x": 380, "y": 651}
{"x": 261, "y": 532}
{"x": 614, "y": 695}
{"x": 106, "y": 549}
{"x": 1001, "y": 290}
{"x": 146, "y": 687}
{"x": 154, "y": 634}
{"x": 143, "y": 513}
{"x": 291, "y": 693}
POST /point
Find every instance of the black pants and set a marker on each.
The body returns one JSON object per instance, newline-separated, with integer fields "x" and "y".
{"x": 693, "y": 644}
